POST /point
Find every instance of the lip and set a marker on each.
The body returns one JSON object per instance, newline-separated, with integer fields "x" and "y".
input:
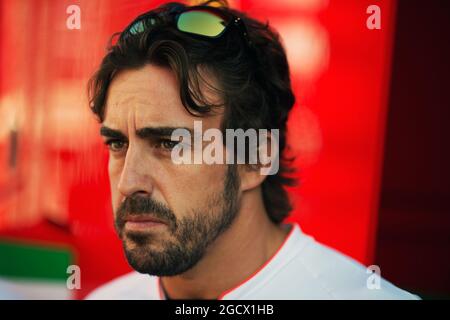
{"x": 142, "y": 222}
{"x": 143, "y": 219}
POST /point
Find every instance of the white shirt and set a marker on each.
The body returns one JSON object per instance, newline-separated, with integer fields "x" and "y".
{"x": 302, "y": 268}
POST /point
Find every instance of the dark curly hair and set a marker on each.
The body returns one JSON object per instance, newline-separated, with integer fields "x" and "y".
{"x": 253, "y": 81}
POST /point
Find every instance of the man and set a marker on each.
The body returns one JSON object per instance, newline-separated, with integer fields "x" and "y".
{"x": 202, "y": 230}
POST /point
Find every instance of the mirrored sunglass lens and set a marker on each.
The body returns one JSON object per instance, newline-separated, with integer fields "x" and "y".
{"x": 138, "y": 27}
{"x": 141, "y": 25}
{"x": 201, "y": 22}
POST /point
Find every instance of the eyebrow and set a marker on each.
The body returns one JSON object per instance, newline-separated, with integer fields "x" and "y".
{"x": 111, "y": 133}
{"x": 149, "y": 132}
{"x": 143, "y": 133}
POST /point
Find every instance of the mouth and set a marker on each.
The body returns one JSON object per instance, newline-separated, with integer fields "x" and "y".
{"x": 142, "y": 223}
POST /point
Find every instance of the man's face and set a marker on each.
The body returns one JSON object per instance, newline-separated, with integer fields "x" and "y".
{"x": 193, "y": 203}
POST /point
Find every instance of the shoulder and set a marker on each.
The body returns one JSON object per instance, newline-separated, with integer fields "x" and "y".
{"x": 131, "y": 286}
{"x": 337, "y": 276}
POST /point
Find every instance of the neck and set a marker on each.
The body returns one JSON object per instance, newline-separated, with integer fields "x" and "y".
{"x": 234, "y": 256}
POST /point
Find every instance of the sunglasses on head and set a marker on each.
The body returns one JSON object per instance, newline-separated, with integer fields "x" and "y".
{"x": 203, "y": 21}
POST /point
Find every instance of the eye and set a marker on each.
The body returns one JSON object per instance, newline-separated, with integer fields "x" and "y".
{"x": 167, "y": 144}
{"x": 116, "y": 145}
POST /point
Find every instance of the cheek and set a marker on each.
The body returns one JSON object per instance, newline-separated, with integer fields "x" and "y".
{"x": 192, "y": 185}
{"x": 114, "y": 171}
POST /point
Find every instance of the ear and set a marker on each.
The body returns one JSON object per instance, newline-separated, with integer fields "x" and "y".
{"x": 267, "y": 154}
{"x": 250, "y": 177}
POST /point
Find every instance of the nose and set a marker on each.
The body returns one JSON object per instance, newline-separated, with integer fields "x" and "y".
{"x": 135, "y": 176}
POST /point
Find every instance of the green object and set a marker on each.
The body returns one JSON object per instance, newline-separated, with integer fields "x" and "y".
{"x": 18, "y": 260}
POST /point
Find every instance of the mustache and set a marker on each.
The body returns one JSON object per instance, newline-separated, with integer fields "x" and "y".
{"x": 143, "y": 206}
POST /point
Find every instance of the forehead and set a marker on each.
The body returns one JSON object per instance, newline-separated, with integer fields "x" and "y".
{"x": 146, "y": 97}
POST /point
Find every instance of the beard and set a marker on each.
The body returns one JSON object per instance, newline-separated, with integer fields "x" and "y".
{"x": 189, "y": 237}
